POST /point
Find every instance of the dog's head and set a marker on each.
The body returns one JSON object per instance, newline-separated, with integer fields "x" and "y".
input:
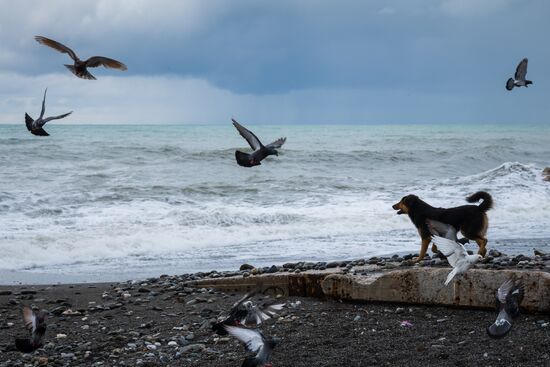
{"x": 404, "y": 205}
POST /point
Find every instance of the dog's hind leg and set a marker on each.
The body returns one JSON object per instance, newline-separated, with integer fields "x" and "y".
{"x": 423, "y": 249}
{"x": 482, "y": 243}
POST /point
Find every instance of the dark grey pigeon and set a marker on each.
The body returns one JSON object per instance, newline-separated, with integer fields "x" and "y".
{"x": 35, "y": 323}
{"x": 519, "y": 77}
{"x": 80, "y": 67}
{"x": 245, "y": 312}
{"x": 254, "y": 342}
{"x": 260, "y": 151}
{"x": 36, "y": 126}
{"x": 444, "y": 230}
{"x": 508, "y": 298}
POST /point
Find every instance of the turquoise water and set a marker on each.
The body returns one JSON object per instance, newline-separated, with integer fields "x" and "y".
{"x": 114, "y": 202}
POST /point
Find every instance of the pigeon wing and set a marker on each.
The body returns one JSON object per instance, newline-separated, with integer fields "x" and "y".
{"x": 504, "y": 290}
{"x": 95, "y": 61}
{"x": 29, "y": 319}
{"x": 441, "y": 229}
{"x": 521, "y": 70}
{"x": 28, "y": 121}
{"x": 252, "y": 139}
{"x": 452, "y": 250}
{"x": 56, "y": 46}
{"x": 55, "y": 118}
{"x": 277, "y": 143}
{"x": 43, "y": 104}
{"x": 513, "y": 299}
{"x": 252, "y": 339}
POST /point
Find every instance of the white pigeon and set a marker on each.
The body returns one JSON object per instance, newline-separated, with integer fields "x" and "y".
{"x": 519, "y": 77}
{"x": 456, "y": 255}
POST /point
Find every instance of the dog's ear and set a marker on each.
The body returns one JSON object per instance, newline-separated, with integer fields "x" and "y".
{"x": 409, "y": 200}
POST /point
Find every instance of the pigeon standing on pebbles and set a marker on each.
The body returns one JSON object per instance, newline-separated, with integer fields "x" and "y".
{"x": 508, "y": 298}
{"x": 456, "y": 255}
{"x": 254, "y": 342}
{"x": 36, "y": 126}
{"x": 36, "y": 324}
{"x": 245, "y": 313}
{"x": 519, "y": 78}
{"x": 80, "y": 68}
{"x": 260, "y": 151}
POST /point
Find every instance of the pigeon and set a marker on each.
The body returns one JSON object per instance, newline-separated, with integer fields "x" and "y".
{"x": 244, "y": 312}
{"x": 254, "y": 342}
{"x": 456, "y": 255}
{"x": 260, "y": 151}
{"x": 36, "y": 126}
{"x": 444, "y": 230}
{"x": 36, "y": 324}
{"x": 519, "y": 78}
{"x": 80, "y": 68}
{"x": 508, "y": 298}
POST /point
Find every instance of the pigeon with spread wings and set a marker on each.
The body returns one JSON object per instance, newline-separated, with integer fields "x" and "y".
{"x": 260, "y": 151}
{"x": 80, "y": 67}
{"x": 444, "y": 230}
{"x": 519, "y": 77}
{"x": 254, "y": 342}
{"x": 456, "y": 255}
{"x": 35, "y": 323}
{"x": 508, "y": 298}
{"x": 36, "y": 127}
{"x": 245, "y": 312}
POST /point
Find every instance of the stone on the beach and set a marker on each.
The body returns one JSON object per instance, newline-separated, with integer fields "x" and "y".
{"x": 246, "y": 267}
{"x": 191, "y": 348}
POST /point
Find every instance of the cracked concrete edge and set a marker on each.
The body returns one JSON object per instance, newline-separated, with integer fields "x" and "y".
{"x": 422, "y": 286}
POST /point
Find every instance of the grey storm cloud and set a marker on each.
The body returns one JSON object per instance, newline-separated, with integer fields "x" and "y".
{"x": 285, "y": 61}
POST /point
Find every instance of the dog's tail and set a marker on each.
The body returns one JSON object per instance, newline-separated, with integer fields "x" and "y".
{"x": 487, "y": 202}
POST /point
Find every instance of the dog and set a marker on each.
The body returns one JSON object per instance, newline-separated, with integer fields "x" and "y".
{"x": 470, "y": 220}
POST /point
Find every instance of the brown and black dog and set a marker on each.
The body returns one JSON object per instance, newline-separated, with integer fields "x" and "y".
{"x": 470, "y": 220}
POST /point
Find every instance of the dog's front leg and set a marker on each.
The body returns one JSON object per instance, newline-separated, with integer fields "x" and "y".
{"x": 423, "y": 249}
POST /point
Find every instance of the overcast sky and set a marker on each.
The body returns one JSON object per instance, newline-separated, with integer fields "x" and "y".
{"x": 284, "y": 61}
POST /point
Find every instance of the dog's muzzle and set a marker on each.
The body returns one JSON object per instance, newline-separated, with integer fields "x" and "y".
{"x": 396, "y": 207}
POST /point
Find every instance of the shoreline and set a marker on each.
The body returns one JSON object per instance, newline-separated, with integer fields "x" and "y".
{"x": 494, "y": 260}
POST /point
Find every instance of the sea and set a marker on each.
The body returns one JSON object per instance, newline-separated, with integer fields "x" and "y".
{"x": 115, "y": 202}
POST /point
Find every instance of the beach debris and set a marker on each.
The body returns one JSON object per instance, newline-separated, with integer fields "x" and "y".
{"x": 406, "y": 324}
{"x": 254, "y": 342}
{"x": 35, "y": 323}
{"x": 80, "y": 67}
{"x": 519, "y": 77}
{"x": 508, "y": 298}
{"x": 456, "y": 255}
{"x": 245, "y": 312}
{"x": 36, "y": 126}
{"x": 260, "y": 151}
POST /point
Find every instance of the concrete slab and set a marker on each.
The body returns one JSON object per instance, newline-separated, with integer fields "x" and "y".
{"x": 416, "y": 285}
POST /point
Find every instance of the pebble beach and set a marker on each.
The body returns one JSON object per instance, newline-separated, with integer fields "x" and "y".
{"x": 164, "y": 322}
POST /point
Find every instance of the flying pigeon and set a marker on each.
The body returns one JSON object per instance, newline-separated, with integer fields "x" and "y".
{"x": 456, "y": 255}
{"x": 260, "y": 151}
{"x": 519, "y": 77}
{"x": 80, "y": 67}
{"x": 254, "y": 342}
{"x": 508, "y": 298}
{"x": 36, "y": 126}
{"x": 36, "y": 324}
{"x": 444, "y": 230}
{"x": 244, "y": 312}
